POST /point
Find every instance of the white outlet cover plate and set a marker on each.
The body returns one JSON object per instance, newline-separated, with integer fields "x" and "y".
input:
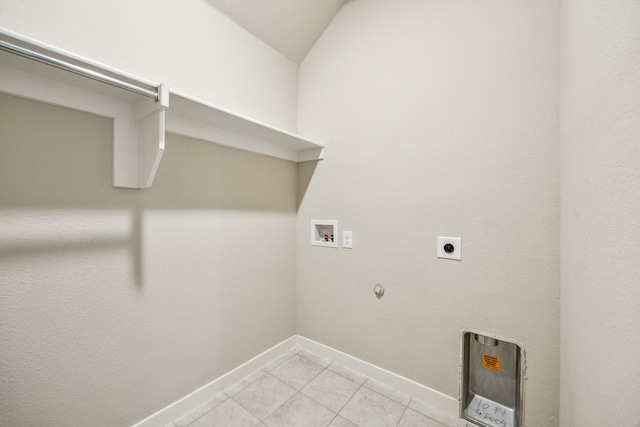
{"x": 347, "y": 239}
{"x": 457, "y": 245}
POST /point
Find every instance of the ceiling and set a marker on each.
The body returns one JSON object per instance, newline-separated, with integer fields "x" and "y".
{"x": 289, "y": 26}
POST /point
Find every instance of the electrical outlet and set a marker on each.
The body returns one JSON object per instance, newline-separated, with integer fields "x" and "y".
{"x": 449, "y": 248}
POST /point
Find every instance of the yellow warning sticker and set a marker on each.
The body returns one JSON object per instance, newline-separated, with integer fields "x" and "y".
{"x": 491, "y": 362}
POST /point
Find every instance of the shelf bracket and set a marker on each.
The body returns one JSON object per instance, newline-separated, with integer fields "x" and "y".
{"x": 138, "y": 145}
{"x": 138, "y": 126}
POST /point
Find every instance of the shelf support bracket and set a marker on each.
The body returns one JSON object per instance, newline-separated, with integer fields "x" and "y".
{"x": 138, "y": 146}
{"x": 138, "y": 126}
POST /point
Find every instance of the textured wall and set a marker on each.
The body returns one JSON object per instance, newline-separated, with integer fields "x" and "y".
{"x": 186, "y": 44}
{"x": 441, "y": 119}
{"x": 115, "y": 303}
{"x": 600, "y": 214}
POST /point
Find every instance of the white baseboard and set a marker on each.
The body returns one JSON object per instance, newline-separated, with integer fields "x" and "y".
{"x": 201, "y": 395}
{"x": 428, "y": 395}
{"x": 432, "y": 397}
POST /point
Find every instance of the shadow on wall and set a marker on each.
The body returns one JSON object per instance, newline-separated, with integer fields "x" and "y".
{"x": 305, "y": 174}
{"x": 56, "y": 193}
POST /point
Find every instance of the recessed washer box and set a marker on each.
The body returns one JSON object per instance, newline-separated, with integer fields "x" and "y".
{"x": 324, "y": 232}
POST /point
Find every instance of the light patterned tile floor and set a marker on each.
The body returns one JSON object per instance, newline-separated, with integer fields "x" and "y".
{"x": 303, "y": 389}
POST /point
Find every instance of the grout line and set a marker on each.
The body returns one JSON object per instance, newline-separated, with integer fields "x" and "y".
{"x": 404, "y": 412}
{"x": 315, "y": 376}
{"x": 299, "y": 391}
{"x": 324, "y": 406}
{"x": 240, "y": 404}
{"x": 333, "y": 419}
{"x": 284, "y": 359}
{"x": 204, "y": 413}
{"x": 350, "y": 399}
{"x": 276, "y": 410}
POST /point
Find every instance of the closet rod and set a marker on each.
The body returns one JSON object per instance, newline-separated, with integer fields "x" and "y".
{"x": 45, "y": 59}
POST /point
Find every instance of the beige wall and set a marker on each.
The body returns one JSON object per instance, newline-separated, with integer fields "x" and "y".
{"x": 600, "y": 214}
{"x": 441, "y": 119}
{"x": 115, "y": 303}
{"x": 186, "y": 44}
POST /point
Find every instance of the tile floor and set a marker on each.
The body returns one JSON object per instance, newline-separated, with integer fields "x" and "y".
{"x": 302, "y": 389}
